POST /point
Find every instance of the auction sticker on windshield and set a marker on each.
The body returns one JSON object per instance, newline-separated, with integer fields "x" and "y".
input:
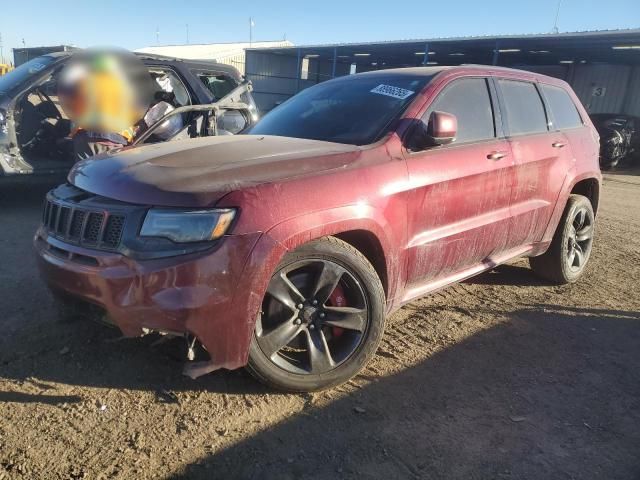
{"x": 391, "y": 91}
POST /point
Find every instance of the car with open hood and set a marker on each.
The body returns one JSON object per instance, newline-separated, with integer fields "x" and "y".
{"x": 35, "y": 132}
{"x": 284, "y": 250}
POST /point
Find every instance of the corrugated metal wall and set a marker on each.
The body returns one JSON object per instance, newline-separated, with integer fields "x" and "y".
{"x": 228, "y": 53}
{"x": 275, "y": 77}
{"x": 557, "y": 71}
{"x": 601, "y": 88}
{"x": 238, "y": 61}
{"x": 632, "y": 98}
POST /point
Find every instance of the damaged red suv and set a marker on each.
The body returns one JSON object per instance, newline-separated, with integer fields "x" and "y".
{"x": 284, "y": 250}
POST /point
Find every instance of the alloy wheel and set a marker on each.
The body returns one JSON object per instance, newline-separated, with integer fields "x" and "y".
{"x": 579, "y": 239}
{"x": 313, "y": 318}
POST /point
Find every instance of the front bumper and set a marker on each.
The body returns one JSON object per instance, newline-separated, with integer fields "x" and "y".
{"x": 214, "y": 295}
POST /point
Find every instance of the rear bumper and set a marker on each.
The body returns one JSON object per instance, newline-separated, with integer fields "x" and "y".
{"x": 207, "y": 294}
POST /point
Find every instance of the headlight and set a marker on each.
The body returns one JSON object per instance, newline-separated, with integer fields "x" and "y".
{"x": 187, "y": 225}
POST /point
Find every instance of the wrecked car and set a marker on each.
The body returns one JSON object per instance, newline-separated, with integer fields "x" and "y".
{"x": 619, "y": 138}
{"x": 35, "y": 132}
{"x": 284, "y": 250}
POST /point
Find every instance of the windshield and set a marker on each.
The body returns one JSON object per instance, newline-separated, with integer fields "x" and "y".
{"x": 355, "y": 110}
{"x": 17, "y": 77}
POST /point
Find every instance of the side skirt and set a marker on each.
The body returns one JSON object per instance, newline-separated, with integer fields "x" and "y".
{"x": 421, "y": 290}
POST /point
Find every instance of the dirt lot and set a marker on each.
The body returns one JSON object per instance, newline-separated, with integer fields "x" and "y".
{"x": 500, "y": 377}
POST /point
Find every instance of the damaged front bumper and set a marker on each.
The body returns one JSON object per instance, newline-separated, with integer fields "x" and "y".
{"x": 206, "y": 294}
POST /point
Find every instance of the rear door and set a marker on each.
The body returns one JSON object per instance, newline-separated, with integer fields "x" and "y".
{"x": 542, "y": 160}
{"x": 459, "y": 205}
{"x": 567, "y": 119}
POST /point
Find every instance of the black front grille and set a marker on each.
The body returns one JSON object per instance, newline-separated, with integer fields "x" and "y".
{"x": 63, "y": 219}
{"x": 53, "y": 217}
{"x": 92, "y": 230}
{"x": 113, "y": 230}
{"x": 77, "y": 224}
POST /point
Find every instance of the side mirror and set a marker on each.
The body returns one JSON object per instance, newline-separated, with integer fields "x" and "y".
{"x": 442, "y": 128}
{"x": 232, "y": 121}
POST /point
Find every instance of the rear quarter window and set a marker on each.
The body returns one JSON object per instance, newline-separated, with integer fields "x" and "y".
{"x": 564, "y": 111}
{"x": 523, "y": 107}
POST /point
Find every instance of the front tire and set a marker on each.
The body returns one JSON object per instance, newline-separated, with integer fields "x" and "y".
{"x": 567, "y": 256}
{"x": 321, "y": 319}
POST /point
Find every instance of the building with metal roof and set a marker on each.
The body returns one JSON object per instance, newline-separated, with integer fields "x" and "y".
{"x": 602, "y": 66}
{"x": 24, "y": 54}
{"x": 228, "y": 53}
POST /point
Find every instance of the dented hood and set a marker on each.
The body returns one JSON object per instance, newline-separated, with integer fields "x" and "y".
{"x": 198, "y": 172}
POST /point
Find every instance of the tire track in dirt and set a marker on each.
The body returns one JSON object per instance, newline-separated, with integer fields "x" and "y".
{"x": 505, "y": 339}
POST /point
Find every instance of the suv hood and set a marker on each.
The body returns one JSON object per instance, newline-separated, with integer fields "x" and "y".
{"x": 198, "y": 172}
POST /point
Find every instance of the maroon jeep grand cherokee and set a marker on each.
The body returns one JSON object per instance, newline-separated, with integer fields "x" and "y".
{"x": 285, "y": 249}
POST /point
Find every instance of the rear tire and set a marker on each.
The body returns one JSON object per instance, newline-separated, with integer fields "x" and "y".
{"x": 569, "y": 252}
{"x": 306, "y": 340}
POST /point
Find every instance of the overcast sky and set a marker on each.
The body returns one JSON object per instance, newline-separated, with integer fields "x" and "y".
{"x": 133, "y": 23}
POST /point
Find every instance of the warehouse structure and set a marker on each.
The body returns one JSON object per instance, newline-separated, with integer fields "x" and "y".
{"x": 228, "y": 53}
{"x": 24, "y": 54}
{"x": 603, "y": 67}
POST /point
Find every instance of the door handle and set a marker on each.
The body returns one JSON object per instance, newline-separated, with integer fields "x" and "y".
{"x": 496, "y": 155}
{"x": 558, "y": 144}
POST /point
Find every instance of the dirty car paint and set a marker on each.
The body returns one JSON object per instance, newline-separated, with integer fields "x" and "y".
{"x": 434, "y": 217}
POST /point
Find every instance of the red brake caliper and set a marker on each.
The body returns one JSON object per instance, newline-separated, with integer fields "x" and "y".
{"x": 336, "y": 299}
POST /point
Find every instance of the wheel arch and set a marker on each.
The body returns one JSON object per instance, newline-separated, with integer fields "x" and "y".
{"x": 367, "y": 231}
{"x": 367, "y": 243}
{"x": 590, "y": 188}
{"x": 587, "y": 184}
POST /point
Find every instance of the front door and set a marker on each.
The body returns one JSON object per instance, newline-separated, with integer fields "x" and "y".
{"x": 459, "y": 211}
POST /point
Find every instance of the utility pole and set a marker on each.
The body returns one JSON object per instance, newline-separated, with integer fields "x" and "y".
{"x": 157, "y": 35}
{"x": 251, "y": 25}
{"x": 555, "y": 23}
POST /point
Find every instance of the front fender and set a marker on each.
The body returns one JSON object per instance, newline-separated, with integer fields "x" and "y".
{"x": 272, "y": 246}
{"x": 292, "y": 233}
{"x": 299, "y": 230}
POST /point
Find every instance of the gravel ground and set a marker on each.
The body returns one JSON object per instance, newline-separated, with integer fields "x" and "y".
{"x": 502, "y": 376}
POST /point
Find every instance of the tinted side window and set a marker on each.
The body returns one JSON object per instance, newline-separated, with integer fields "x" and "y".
{"x": 524, "y": 108}
{"x": 167, "y": 82}
{"x": 565, "y": 113}
{"x": 468, "y": 99}
{"x": 219, "y": 85}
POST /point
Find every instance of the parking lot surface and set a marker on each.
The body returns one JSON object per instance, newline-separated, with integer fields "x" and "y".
{"x": 503, "y": 376}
